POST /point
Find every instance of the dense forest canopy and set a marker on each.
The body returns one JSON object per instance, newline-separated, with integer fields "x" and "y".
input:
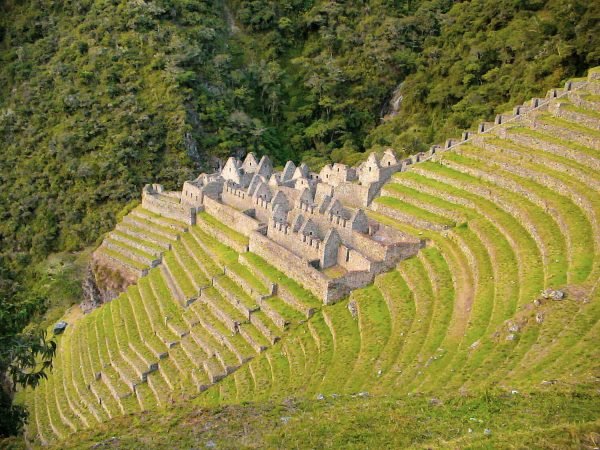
{"x": 99, "y": 97}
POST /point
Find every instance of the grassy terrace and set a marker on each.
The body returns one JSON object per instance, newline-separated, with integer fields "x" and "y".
{"x": 443, "y": 304}
{"x": 581, "y": 337}
{"x": 195, "y": 354}
{"x": 553, "y": 140}
{"x": 77, "y": 366}
{"x": 159, "y": 220}
{"x": 85, "y": 345}
{"x": 416, "y": 277}
{"x": 270, "y": 328}
{"x": 144, "y": 323}
{"x": 580, "y": 234}
{"x": 569, "y": 323}
{"x": 542, "y": 155}
{"x": 189, "y": 263}
{"x": 276, "y": 276}
{"x": 416, "y": 197}
{"x": 130, "y": 229}
{"x": 562, "y": 123}
{"x": 203, "y": 260}
{"x": 374, "y": 324}
{"x": 346, "y": 347}
{"x": 304, "y": 340}
{"x": 401, "y": 308}
{"x": 245, "y": 274}
{"x": 446, "y": 357}
{"x": 437, "y": 371}
{"x": 92, "y": 357}
{"x": 285, "y": 310}
{"x": 157, "y": 224}
{"x": 237, "y": 292}
{"x": 497, "y": 239}
{"x": 122, "y": 258}
{"x": 125, "y": 370}
{"x": 180, "y": 275}
{"x": 236, "y": 343}
{"x": 221, "y": 254}
{"x": 156, "y": 316}
{"x": 577, "y": 215}
{"x": 495, "y": 310}
{"x": 321, "y": 359}
{"x": 129, "y": 251}
{"x": 255, "y": 335}
{"x": 414, "y": 211}
{"x": 166, "y": 303}
{"x": 505, "y": 271}
{"x": 217, "y": 349}
{"x": 151, "y": 248}
{"x": 554, "y": 247}
{"x": 229, "y": 232}
{"x": 439, "y": 324}
{"x": 589, "y": 97}
{"x": 586, "y": 112}
{"x": 134, "y": 332}
{"x": 167, "y": 375}
{"x": 453, "y": 284}
{"x": 212, "y": 297}
{"x": 528, "y": 254}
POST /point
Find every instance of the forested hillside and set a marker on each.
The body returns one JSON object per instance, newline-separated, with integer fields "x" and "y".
{"x": 99, "y": 97}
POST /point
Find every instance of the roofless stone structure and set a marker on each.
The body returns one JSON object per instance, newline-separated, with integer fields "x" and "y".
{"x": 311, "y": 226}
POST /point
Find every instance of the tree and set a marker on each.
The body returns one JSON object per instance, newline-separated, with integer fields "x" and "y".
{"x": 25, "y": 356}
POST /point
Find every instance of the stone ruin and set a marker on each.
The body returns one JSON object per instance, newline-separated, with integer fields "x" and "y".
{"x": 310, "y": 226}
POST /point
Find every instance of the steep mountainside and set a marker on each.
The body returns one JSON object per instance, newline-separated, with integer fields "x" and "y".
{"x": 503, "y": 301}
{"x": 99, "y": 97}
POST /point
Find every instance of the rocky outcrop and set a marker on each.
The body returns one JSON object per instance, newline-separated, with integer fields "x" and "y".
{"x": 92, "y": 297}
{"x": 104, "y": 282}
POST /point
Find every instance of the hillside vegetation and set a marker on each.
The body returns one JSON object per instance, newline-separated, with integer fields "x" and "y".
{"x": 100, "y": 97}
{"x": 498, "y": 315}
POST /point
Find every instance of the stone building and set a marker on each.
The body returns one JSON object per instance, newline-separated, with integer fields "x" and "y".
{"x": 311, "y": 226}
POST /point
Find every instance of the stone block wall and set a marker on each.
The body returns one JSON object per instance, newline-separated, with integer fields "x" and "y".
{"x": 307, "y": 248}
{"x": 356, "y": 280}
{"x": 192, "y": 195}
{"x": 560, "y": 110}
{"x": 262, "y": 210}
{"x": 551, "y": 147}
{"x": 222, "y": 237}
{"x": 565, "y": 133}
{"x": 582, "y": 102}
{"x": 353, "y": 194}
{"x": 351, "y": 260}
{"x": 168, "y": 209}
{"x": 289, "y": 263}
{"x": 247, "y": 287}
{"x": 236, "y": 198}
{"x": 231, "y": 217}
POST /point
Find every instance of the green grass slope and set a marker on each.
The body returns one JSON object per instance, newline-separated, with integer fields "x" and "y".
{"x": 453, "y": 342}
